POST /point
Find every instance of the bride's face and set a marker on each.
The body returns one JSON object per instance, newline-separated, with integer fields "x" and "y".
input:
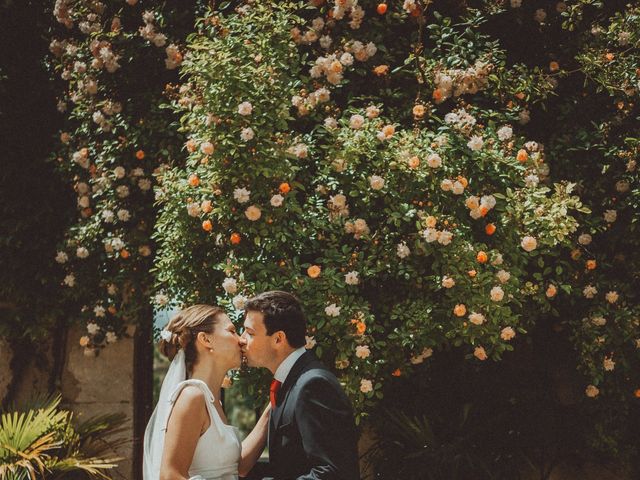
{"x": 226, "y": 346}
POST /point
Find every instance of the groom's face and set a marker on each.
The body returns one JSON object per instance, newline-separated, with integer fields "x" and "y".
{"x": 256, "y": 345}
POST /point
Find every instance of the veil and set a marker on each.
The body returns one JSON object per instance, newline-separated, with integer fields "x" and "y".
{"x": 154, "y": 433}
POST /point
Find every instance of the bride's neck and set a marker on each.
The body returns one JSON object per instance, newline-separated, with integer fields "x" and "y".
{"x": 210, "y": 375}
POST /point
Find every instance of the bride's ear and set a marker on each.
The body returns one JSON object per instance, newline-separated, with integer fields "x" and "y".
{"x": 205, "y": 341}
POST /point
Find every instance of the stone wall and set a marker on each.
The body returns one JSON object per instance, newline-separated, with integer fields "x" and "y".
{"x": 99, "y": 385}
{"x": 89, "y": 385}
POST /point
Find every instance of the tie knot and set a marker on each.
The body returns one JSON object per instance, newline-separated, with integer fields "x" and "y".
{"x": 275, "y": 385}
{"x": 273, "y": 391}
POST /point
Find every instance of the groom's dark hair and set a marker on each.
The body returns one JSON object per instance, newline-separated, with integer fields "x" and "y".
{"x": 282, "y": 311}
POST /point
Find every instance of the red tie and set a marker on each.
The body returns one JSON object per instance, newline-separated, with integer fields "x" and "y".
{"x": 273, "y": 391}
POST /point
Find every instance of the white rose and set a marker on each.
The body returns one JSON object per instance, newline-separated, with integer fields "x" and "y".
{"x": 475, "y": 143}
{"x": 376, "y": 182}
{"x": 599, "y": 321}
{"x": 362, "y": 351}
{"x": 445, "y": 237}
{"x": 82, "y": 252}
{"x": 589, "y": 291}
{"x": 458, "y": 188}
{"x": 612, "y": 297}
{"x": 434, "y": 160}
{"x": 70, "y": 280}
{"x": 529, "y": 243}
{"x": 448, "y": 282}
{"x": 239, "y": 302}
{"x": 99, "y": 311}
{"x": 230, "y": 285}
{"x": 351, "y": 278}
{"x": 276, "y": 200}
{"x": 507, "y": 333}
{"x": 241, "y": 195}
{"x": 610, "y": 216}
{"x": 503, "y": 276}
{"x": 402, "y": 250}
{"x": 366, "y": 386}
{"x": 356, "y": 121}
{"x": 584, "y": 239}
{"x": 111, "y": 337}
{"x": 119, "y": 172}
{"x": 332, "y": 310}
{"x": 608, "y": 364}
{"x": 93, "y": 328}
{"x": 245, "y": 108}
{"x": 497, "y": 294}
{"x": 253, "y": 213}
{"x": 124, "y": 215}
{"x": 330, "y": 123}
{"x": 247, "y": 134}
{"x": 62, "y": 257}
{"x": 476, "y": 318}
{"x": 505, "y": 133}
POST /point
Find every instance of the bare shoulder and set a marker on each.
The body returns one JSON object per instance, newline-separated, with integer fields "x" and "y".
{"x": 190, "y": 399}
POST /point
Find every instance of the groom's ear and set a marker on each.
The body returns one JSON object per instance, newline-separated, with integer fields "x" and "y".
{"x": 280, "y": 337}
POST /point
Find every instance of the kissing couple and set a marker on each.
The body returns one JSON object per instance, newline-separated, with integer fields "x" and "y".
{"x": 308, "y": 423}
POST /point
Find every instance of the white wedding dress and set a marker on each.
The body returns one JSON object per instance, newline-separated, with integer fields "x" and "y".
{"x": 218, "y": 450}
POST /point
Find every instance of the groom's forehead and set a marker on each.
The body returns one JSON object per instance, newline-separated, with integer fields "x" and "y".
{"x": 253, "y": 319}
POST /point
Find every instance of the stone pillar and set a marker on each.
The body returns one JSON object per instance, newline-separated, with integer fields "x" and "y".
{"x": 101, "y": 385}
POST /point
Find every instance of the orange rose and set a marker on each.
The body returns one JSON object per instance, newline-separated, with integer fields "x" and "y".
{"x": 112, "y": 310}
{"x": 381, "y": 70}
{"x": 361, "y": 328}
{"x": 609, "y": 57}
{"x": 490, "y": 229}
{"x": 460, "y": 310}
{"x": 463, "y": 181}
{"x": 554, "y": 66}
{"x": 235, "y": 238}
{"x": 388, "y": 130}
{"x": 191, "y": 145}
{"x": 284, "y": 188}
{"x": 520, "y": 95}
{"x": 437, "y": 95}
{"x": 482, "y": 257}
{"x": 522, "y": 155}
{"x": 207, "y": 226}
{"x": 381, "y": 9}
{"x": 397, "y": 372}
{"x": 124, "y": 253}
{"x": 140, "y": 154}
{"x": 637, "y": 393}
{"x": 419, "y": 111}
{"x": 314, "y": 271}
{"x": 472, "y": 273}
{"x": 414, "y": 162}
{"x": 194, "y": 181}
{"x": 591, "y": 264}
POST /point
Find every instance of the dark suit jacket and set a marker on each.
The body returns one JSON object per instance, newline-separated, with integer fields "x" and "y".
{"x": 312, "y": 435}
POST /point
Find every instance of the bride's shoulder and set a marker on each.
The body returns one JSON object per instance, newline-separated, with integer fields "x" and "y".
{"x": 188, "y": 393}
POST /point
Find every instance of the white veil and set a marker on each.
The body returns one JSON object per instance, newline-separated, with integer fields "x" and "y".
{"x": 154, "y": 433}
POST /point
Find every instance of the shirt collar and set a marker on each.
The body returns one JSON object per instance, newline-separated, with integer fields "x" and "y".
{"x": 282, "y": 372}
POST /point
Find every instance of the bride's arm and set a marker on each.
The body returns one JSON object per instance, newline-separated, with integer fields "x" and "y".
{"x": 253, "y": 445}
{"x": 187, "y": 420}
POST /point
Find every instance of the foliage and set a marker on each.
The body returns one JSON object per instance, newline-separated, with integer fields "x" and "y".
{"x": 42, "y": 442}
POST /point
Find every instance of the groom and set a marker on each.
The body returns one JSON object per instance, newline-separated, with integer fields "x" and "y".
{"x": 312, "y": 435}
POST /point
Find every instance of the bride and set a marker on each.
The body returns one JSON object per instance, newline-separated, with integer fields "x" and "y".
{"x": 188, "y": 435}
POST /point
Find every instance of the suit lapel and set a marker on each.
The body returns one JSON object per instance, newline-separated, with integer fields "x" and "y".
{"x": 283, "y": 393}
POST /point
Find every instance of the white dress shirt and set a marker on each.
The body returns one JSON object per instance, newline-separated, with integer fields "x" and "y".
{"x": 282, "y": 372}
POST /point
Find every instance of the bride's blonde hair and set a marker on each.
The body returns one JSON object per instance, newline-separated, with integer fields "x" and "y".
{"x": 184, "y": 329}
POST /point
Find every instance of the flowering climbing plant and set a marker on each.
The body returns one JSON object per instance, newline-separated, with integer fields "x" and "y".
{"x": 116, "y": 63}
{"x": 381, "y": 181}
